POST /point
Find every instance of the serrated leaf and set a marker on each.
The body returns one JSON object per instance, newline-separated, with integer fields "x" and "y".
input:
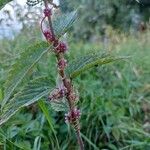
{"x": 3, "y": 3}
{"x": 22, "y": 66}
{"x": 84, "y": 63}
{"x": 62, "y": 23}
{"x": 31, "y": 93}
{"x": 59, "y": 105}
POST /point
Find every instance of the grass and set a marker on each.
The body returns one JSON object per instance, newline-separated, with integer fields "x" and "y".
{"x": 112, "y": 100}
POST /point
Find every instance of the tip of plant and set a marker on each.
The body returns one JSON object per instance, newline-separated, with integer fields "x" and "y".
{"x": 123, "y": 58}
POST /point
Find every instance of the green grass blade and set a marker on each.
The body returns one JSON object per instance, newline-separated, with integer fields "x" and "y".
{"x": 90, "y": 142}
{"x": 37, "y": 143}
{"x": 49, "y": 119}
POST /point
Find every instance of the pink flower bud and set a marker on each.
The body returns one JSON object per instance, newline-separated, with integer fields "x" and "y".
{"x": 57, "y": 94}
{"x": 47, "y": 12}
{"x": 72, "y": 115}
{"x": 48, "y": 35}
{"x": 61, "y": 47}
{"x": 62, "y": 63}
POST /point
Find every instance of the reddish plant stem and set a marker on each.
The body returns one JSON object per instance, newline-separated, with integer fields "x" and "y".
{"x": 49, "y": 19}
{"x": 80, "y": 142}
{"x": 68, "y": 85}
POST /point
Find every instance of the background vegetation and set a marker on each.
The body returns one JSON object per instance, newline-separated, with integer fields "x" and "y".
{"x": 114, "y": 100}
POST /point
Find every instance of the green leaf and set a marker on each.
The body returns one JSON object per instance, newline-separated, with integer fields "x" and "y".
{"x": 63, "y": 22}
{"x": 47, "y": 115}
{"x": 22, "y": 66}
{"x": 89, "y": 142}
{"x": 3, "y": 3}
{"x": 116, "y": 133}
{"x": 84, "y": 63}
{"x": 59, "y": 105}
{"x": 5, "y": 142}
{"x": 1, "y": 94}
{"x": 31, "y": 93}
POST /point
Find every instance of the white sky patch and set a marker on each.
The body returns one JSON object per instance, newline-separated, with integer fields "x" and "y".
{"x": 21, "y": 2}
{"x": 14, "y": 25}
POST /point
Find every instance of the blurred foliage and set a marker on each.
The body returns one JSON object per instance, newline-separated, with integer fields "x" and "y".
{"x": 114, "y": 100}
{"x": 95, "y": 15}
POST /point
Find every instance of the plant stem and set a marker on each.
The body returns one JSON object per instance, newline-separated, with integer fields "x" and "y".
{"x": 68, "y": 85}
{"x": 49, "y": 18}
{"x": 80, "y": 141}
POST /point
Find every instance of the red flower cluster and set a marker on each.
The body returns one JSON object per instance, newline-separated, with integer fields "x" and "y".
{"x": 47, "y": 12}
{"x": 57, "y": 94}
{"x": 62, "y": 63}
{"x": 61, "y": 47}
{"x": 48, "y": 35}
{"x": 72, "y": 115}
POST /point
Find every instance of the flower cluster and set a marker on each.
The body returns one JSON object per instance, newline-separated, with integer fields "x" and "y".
{"x": 49, "y": 36}
{"x": 57, "y": 94}
{"x": 47, "y": 12}
{"x": 72, "y": 115}
{"x": 59, "y": 46}
{"x": 62, "y": 63}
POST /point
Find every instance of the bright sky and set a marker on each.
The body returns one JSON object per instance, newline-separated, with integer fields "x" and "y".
{"x": 21, "y": 2}
{"x": 7, "y": 31}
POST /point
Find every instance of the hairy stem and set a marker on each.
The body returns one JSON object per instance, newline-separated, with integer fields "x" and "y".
{"x": 68, "y": 85}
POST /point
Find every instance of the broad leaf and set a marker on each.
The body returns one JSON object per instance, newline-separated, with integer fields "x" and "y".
{"x": 62, "y": 23}
{"x": 31, "y": 93}
{"x": 23, "y": 65}
{"x": 3, "y": 3}
{"x": 59, "y": 105}
{"x": 33, "y": 54}
{"x": 82, "y": 64}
